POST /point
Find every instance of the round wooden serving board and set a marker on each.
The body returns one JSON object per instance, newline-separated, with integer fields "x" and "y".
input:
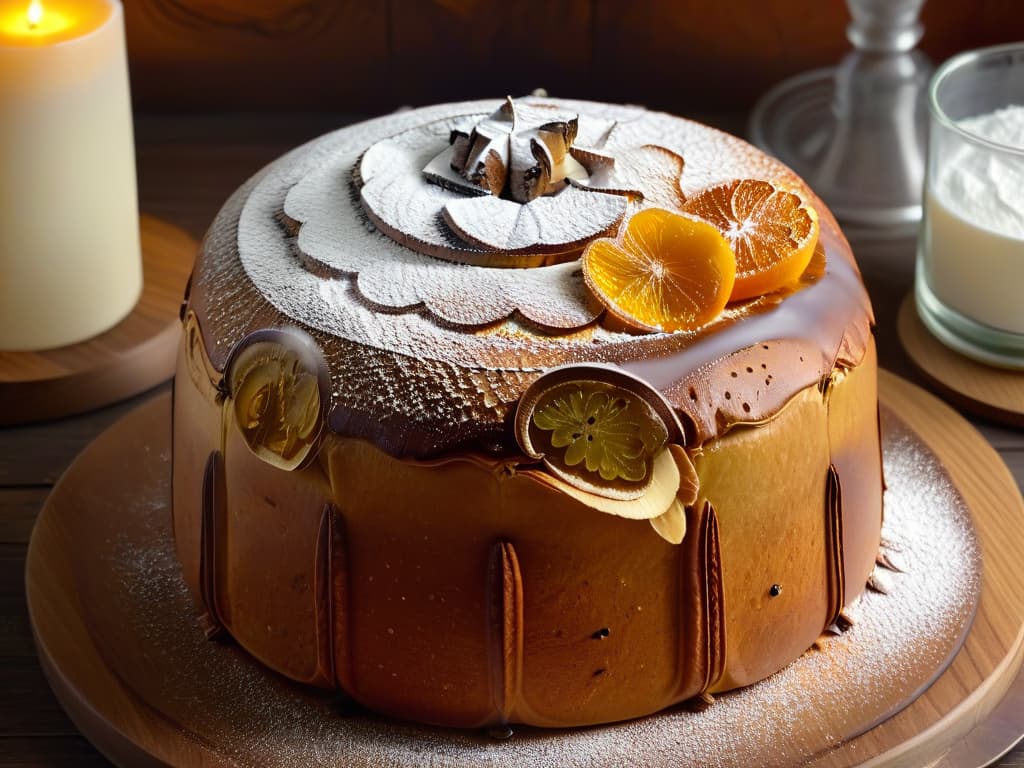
{"x": 117, "y": 639}
{"x": 136, "y": 354}
{"x": 992, "y": 393}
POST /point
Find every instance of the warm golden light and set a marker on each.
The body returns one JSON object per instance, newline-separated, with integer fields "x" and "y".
{"x": 35, "y": 13}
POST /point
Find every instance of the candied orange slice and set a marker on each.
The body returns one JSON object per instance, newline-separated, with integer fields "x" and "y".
{"x": 668, "y": 272}
{"x": 773, "y": 231}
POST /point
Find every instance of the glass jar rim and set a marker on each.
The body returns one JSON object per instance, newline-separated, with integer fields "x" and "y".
{"x": 956, "y": 63}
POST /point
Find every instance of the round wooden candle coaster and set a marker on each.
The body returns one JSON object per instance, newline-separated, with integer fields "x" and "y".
{"x": 117, "y": 638}
{"x": 992, "y": 393}
{"x": 136, "y": 354}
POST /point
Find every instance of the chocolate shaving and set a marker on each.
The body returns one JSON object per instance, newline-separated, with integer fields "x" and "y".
{"x": 519, "y": 151}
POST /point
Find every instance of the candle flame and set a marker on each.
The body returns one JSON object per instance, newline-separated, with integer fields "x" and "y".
{"x": 35, "y": 13}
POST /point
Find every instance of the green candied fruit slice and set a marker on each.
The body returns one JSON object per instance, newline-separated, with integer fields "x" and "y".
{"x": 605, "y": 428}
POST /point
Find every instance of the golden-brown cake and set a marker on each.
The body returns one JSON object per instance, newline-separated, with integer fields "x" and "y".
{"x": 416, "y": 460}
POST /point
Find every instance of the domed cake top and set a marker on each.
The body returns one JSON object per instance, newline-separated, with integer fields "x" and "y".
{"x": 433, "y": 257}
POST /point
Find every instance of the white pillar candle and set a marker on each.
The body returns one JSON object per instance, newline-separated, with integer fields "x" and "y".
{"x": 70, "y": 261}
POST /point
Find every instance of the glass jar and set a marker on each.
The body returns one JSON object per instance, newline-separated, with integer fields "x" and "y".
{"x": 969, "y": 284}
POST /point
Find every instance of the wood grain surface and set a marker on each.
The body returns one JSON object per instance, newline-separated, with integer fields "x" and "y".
{"x": 135, "y": 355}
{"x": 188, "y": 165}
{"x": 991, "y": 393}
{"x": 352, "y": 55}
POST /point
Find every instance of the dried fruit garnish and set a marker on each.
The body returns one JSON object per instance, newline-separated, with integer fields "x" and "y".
{"x": 275, "y": 400}
{"x": 771, "y": 227}
{"x": 668, "y": 272}
{"x": 597, "y": 428}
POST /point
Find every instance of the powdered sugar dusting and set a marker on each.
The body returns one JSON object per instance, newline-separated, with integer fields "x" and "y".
{"x": 405, "y": 356}
{"x": 567, "y": 219}
{"x": 221, "y": 697}
{"x": 313, "y": 185}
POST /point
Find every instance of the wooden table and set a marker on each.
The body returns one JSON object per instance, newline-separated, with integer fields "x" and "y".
{"x": 188, "y": 165}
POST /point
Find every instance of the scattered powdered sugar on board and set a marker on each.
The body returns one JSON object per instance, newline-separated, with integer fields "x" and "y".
{"x": 224, "y": 699}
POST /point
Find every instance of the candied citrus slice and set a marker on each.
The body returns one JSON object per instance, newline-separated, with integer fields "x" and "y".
{"x": 773, "y": 231}
{"x": 668, "y": 272}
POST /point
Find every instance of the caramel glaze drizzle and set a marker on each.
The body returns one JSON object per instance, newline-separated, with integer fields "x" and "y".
{"x": 210, "y": 536}
{"x": 834, "y": 546}
{"x": 505, "y": 614}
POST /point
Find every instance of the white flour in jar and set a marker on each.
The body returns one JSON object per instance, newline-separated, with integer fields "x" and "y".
{"x": 974, "y": 226}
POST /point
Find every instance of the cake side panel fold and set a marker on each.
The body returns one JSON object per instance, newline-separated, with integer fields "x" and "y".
{"x": 413, "y": 548}
{"x": 854, "y": 444}
{"x": 505, "y": 615}
{"x": 273, "y": 556}
{"x": 766, "y": 485}
{"x": 341, "y": 601}
{"x": 717, "y": 643}
{"x": 195, "y": 433}
{"x": 836, "y": 574}
{"x": 211, "y": 533}
{"x": 323, "y": 596}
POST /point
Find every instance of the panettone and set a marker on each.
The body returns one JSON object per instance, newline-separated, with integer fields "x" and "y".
{"x": 426, "y": 453}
